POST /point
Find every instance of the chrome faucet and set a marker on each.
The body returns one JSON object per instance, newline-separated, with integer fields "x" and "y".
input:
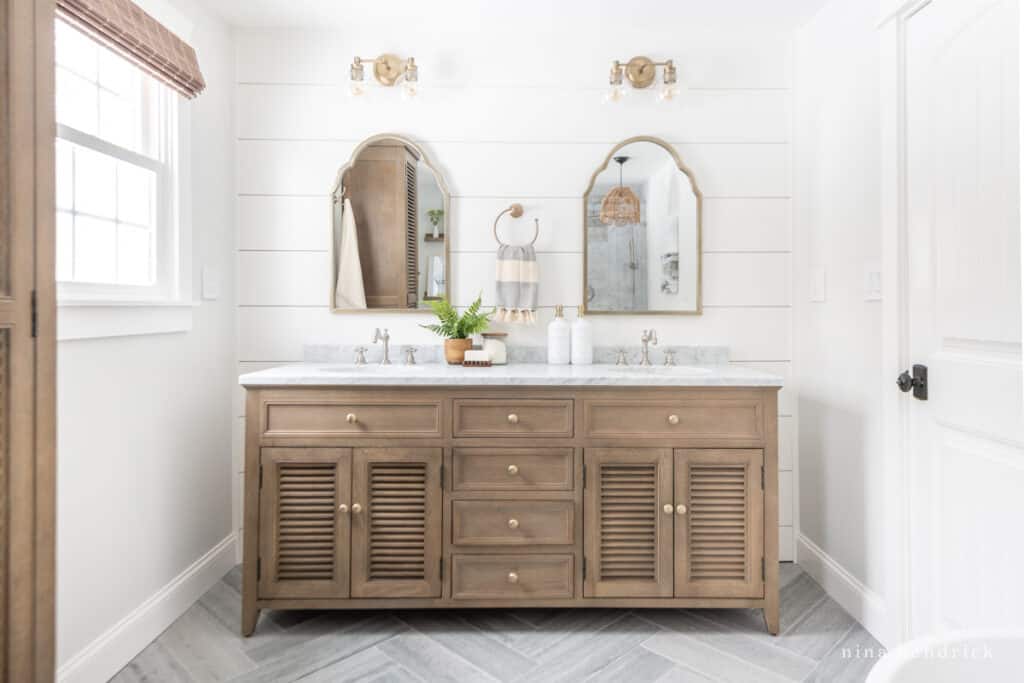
{"x": 360, "y": 352}
{"x": 386, "y": 338}
{"x": 648, "y": 337}
{"x": 410, "y": 355}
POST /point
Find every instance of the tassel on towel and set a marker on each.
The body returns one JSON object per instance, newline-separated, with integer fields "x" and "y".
{"x": 517, "y": 284}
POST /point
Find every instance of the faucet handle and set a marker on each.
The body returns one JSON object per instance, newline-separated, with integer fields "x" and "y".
{"x": 652, "y": 336}
{"x": 670, "y": 357}
{"x": 621, "y": 359}
{"x": 410, "y": 355}
{"x": 360, "y": 352}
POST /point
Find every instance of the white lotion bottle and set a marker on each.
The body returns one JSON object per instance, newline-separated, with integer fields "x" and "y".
{"x": 559, "y": 335}
{"x": 582, "y": 341}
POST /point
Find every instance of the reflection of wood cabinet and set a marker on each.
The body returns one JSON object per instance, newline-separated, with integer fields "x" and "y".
{"x": 432, "y": 497}
{"x": 381, "y": 185}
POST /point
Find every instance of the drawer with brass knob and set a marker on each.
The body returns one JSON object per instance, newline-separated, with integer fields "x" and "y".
{"x": 483, "y": 577}
{"x": 512, "y": 469}
{"x": 421, "y": 419}
{"x": 512, "y": 522}
{"x": 513, "y": 417}
{"x": 732, "y": 418}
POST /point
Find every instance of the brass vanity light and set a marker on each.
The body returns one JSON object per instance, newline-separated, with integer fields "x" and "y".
{"x": 388, "y": 70}
{"x": 641, "y": 72}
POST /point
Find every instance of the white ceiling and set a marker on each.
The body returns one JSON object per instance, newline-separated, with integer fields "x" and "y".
{"x": 771, "y": 15}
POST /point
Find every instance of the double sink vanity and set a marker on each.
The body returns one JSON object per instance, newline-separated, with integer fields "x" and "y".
{"x": 384, "y": 486}
{"x": 426, "y": 486}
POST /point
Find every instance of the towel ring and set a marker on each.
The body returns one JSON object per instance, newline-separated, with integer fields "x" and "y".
{"x": 516, "y": 210}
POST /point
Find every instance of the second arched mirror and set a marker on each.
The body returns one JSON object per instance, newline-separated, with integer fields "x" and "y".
{"x": 642, "y": 232}
{"x": 389, "y": 239}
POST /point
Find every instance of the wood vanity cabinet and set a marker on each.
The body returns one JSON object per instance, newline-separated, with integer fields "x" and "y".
{"x": 383, "y": 497}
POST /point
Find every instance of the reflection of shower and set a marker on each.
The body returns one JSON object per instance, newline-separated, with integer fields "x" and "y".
{"x": 633, "y": 264}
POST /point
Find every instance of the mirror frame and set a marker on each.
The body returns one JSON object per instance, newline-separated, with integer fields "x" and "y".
{"x": 338, "y": 188}
{"x": 700, "y": 226}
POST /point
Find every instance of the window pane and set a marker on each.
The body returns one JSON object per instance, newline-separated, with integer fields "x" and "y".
{"x": 95, "y": 183}
{"x": 135, "y": 194}
{"x": 134, "y": 255}
{"x": 75, "y": 51}
{"x": 65, "y": 246}
{"x": 65, "y": 177}
{"x": 76, "y": 102}
{"x": 95, "y": 250}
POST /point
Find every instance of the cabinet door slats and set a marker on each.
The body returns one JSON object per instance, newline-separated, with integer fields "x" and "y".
{"x": 719, "y": 539}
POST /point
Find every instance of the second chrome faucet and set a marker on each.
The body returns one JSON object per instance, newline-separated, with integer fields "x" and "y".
{"x": 386, "y": 338}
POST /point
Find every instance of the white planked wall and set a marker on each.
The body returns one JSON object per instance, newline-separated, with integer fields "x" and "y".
{"x": 505, "y": 127}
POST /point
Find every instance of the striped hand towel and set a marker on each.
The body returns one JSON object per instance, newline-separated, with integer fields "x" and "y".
{"x": 517, "y": 284}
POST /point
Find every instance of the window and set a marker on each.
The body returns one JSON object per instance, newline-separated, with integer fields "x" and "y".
{"x": 117, "y": 238}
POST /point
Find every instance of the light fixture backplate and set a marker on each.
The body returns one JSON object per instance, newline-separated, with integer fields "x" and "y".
{"x": 641, "y": 71}
{"x": 388, "y": 68}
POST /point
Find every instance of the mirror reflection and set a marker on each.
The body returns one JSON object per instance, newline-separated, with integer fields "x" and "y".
{"x": 390, "y": 216}
{"x": 642, "y": 233}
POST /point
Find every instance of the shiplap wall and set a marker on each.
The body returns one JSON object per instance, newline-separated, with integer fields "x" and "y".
{"x": 505, "y": 126}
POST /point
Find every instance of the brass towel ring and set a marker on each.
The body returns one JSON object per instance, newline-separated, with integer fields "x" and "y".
{"x": 516, "y": 210}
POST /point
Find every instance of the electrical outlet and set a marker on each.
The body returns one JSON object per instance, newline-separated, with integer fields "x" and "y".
{"x": 872, "y": 282}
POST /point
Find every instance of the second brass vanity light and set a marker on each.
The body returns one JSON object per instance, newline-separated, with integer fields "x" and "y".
{"x": 641, "y": 72}
{"x": 388, "y": 70}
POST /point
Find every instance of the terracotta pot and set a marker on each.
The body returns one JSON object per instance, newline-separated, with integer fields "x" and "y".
{"x": 455, "y": 350}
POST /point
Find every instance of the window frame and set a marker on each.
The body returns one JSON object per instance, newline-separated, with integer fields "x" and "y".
{"x": 91, "y": 310}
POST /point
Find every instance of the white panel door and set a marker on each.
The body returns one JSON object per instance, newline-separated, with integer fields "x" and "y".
{"x": 966, "y": 476}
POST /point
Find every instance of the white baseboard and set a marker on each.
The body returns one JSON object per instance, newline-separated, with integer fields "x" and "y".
{"x": 863, "y": 604}
{"x": 105, "y": 656}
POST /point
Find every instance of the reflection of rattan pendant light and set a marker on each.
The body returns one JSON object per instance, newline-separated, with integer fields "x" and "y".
{"x": 620, "y": 206}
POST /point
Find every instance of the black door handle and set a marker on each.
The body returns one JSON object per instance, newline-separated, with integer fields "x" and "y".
{"x": 918, "y": 382}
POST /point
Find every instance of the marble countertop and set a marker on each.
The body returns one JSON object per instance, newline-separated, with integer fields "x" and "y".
{"x": 517, "y": 374}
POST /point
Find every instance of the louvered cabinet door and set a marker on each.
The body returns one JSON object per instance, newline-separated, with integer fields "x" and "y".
{"x": 628, "y": 534}
{"x": 720, "y": 529}
{"x": 396, "y": 533}
{"x": 304, "y": 537}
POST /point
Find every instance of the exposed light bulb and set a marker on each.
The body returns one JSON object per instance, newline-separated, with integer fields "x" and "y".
{"x": 616, "y": 93}
{"x": 409, "y": 90}
{"x": 668, "y": 93}
{"x": 356, "y": 88}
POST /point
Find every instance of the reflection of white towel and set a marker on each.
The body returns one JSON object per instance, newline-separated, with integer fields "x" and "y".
{"x": 436, "y": 276}
{"x": 349, "y": 292}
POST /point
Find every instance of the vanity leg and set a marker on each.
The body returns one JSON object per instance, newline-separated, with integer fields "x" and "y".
{"x": 250, "y": 615}
{"x": 771, "y": 617}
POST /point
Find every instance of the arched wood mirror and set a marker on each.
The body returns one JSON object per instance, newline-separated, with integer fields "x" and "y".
{"x": 642, "y": 233}
{"x": 390, "y": 212}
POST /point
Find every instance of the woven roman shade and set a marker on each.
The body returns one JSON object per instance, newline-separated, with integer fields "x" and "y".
{"x": 122, "y": 26}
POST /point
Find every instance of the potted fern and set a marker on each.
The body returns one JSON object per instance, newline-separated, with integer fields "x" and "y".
{"x": 457, "y": 329}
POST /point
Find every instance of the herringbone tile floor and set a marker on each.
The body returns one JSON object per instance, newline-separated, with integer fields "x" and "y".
{"x": 816, "y": 643}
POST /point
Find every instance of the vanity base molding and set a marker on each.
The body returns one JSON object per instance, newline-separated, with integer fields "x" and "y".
{"x": 510, "y": 497}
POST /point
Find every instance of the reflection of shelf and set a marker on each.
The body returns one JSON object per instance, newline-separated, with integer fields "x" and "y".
{"x": 432, "y": 298}
{"x": 431, "y": 238}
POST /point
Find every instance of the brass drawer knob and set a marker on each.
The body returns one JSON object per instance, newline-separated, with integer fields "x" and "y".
{"x": 513, "y": 524}
{"x": 667, "y": 508}
{"x": 680, "y": 509}
{"x": 513, "y": 577}
{"x": 343, "y": 508}
{"x": 673, "y": 419}
{"x": 513, "y": 470}
{"x": 351, "y": 418}
{"x": 357, "y": 508}
{"x": 513, "y": 419}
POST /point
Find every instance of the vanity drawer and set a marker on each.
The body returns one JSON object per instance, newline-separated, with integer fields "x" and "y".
{"x": 355, "y": 418}
{"x": 500, "y": 577}
{"x": 512, "y": 469}
{"x": 524, "y": 417}
{"x": 512, "y": 522}
{"x": 727, "y": 419}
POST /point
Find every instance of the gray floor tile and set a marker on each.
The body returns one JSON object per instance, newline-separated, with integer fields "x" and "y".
{"x": 204, "y": 647}
{"x": 369, "y": 665}
{"x": 692, "y": 653}
{"x": 225, "y": 604}
{"x": 819, "y": 630}
{"x": 566, "y": 625}
{"x": 153, "y": 665}
{"x": 270, "y": 640}
{"x": 451, "y": 630}
{"x": 431, "y": 661}
{"x": 850, "y": 660}
{"x": 759, "y": 650}
{"x": 636, "y": 666}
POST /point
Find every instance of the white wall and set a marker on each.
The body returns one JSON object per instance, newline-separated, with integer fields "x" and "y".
{"x": 144, "y": 428}
{"x": 837, "y": 342}
{"x": 515, "y": 114}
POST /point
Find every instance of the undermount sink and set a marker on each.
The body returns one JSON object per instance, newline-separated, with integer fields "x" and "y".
{"x": 660, "y": 369}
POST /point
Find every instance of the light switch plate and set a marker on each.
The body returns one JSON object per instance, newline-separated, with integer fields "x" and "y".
{"x": 872, "y": 282}
{"x": 817, "y": 284}
{"x": 210, "y": 283}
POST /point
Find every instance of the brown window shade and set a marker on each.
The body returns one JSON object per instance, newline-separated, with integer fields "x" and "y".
{"x": 122, "y": 26}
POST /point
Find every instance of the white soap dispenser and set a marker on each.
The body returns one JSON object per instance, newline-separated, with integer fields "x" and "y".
{"x": 582, "y": 341}
{"x": 558, "y": 339}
